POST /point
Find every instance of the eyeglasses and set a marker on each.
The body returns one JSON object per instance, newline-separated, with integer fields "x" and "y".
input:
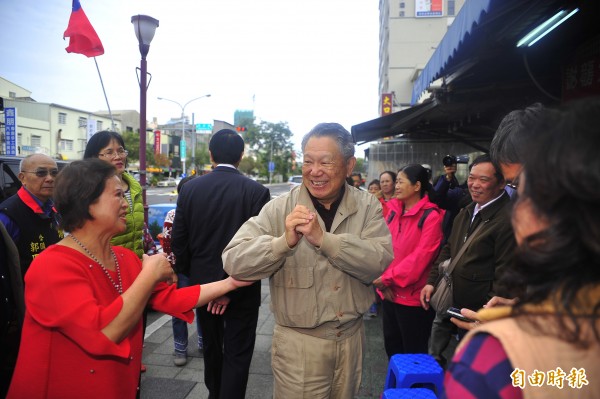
{"x": 43, "y": 172}
{"x": 111, "y": 154}
{"x": 514, "y": 184}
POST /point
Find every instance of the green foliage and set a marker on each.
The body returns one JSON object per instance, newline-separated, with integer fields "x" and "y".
{"x": 248, "y": 166}
{"x": 360, "y": 166}
{"x": 271, "y": 139}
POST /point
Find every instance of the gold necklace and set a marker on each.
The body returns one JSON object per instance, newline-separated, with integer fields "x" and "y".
{"x": 118, "y": 287}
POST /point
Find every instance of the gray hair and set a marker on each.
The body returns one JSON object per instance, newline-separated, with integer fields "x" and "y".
{"x": 335, "y": 131}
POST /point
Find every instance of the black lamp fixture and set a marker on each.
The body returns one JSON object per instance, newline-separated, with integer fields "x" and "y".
{"x": 144, "y": 27}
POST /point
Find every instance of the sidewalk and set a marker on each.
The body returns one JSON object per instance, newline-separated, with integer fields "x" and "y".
{"x": 164, "y": 380}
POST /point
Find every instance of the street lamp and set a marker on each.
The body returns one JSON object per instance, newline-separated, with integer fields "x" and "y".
{"x": 183, "y": 124}
{"x": 144, "y": 27}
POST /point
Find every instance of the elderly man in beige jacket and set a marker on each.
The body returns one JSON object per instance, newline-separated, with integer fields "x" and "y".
{"x": 321, "y": 246}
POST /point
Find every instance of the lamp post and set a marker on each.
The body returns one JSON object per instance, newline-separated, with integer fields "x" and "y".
{"x": 144, "y": 27}
{"x": 183, "y": 122}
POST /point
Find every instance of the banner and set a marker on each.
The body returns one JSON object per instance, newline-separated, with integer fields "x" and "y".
{"x": 10, "y": 125}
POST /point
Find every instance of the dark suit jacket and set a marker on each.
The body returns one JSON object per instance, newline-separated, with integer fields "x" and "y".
{"x": 210, "y": 210}
{"x": 475, "y": 276}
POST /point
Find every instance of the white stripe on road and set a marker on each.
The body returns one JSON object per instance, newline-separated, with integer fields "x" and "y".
{"x": 152, "y": 328}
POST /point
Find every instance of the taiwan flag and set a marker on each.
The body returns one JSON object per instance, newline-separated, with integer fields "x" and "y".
{"x": 82, "y": 36}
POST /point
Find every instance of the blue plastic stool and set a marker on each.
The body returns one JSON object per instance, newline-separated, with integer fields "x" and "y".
{"x": 405, "y": 370}
{"x": 408, "y": 393}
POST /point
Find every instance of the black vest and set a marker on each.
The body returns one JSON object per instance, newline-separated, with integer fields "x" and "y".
{"x": 37, "y": 232}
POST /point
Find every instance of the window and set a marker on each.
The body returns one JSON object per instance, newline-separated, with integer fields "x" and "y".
{"x": 12, "y": 94}
{"x": 19, "y": 139}
{"x": 401, "y": 14}
{"x": 82, "y": 122}
{"x": 402, "y": 4}
{"x": 36, "y": 141}
{"x": 98, "y": 125}
{"x": 82, "y": 145}
{"x": 451, "y": 10}
{"x": 66, "y": 145}
{"x": 62, "y": 118}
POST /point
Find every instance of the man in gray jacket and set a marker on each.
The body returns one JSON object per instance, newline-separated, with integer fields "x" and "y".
{"x": 321, "y": 246}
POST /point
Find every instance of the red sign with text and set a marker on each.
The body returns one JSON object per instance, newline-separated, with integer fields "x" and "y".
{"x": 157, "y": 141}
{"x": 386, "y": 104}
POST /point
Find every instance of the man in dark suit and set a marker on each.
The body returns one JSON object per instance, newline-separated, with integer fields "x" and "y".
{"x": 210, "y": 209}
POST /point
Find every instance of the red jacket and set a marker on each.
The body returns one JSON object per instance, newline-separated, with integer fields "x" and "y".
{"x": 69, "y": 300}
{"x": 415, "y": 248}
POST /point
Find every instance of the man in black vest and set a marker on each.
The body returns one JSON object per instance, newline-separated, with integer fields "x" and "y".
{"x": 28, "y": 219}
{"x": 29, "y": 216}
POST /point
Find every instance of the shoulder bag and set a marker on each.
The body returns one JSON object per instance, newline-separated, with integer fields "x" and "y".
{"x": 443, "y": 294}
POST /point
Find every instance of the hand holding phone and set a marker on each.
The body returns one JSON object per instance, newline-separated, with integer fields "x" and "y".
{"x": 455, "y": 312}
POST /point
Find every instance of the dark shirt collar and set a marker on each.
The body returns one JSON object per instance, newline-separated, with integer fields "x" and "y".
{"x": 328, "y": 214}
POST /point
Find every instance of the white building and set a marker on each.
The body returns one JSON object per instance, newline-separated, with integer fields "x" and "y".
{"x": 52, "y": 129}
{"x": 409, "y": 32}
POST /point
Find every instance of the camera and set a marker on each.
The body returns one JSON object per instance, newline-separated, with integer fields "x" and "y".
{"x": 449, "y": 160}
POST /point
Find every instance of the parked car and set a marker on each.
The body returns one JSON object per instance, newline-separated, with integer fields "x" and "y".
{"x": 295, "y": 180}
{"x": 9, "y": 174}
{"x": 168, "y": 182}
{"x": 156, "y": 217}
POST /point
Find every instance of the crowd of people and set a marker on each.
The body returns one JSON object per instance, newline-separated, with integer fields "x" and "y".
{"x": 522, "y": 235}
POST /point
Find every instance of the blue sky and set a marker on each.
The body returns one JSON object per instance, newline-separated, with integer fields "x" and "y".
{"x": 304, "y": 62}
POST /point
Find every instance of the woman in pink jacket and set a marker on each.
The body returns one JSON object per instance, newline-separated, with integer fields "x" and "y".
{"x": 416, "y": 226}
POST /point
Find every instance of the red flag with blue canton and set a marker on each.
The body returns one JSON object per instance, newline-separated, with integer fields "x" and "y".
{"x": 83, "y": 39}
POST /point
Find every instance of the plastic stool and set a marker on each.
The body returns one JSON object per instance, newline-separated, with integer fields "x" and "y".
{"x": 405, "y": 370}
{"x": 408, "y": 393}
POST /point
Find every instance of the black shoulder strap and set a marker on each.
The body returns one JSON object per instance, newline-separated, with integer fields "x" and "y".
{"x": 425, "y": 214}
{"x": 391, "y": 217}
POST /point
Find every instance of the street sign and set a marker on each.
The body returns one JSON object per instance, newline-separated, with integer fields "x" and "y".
{"x": 204, "y": 127}
{"x": 271, "y": 167}
{"x": 182, "y": 150}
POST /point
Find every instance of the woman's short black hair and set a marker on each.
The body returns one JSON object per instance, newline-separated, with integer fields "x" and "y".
{"x": 100, "y": 140}
{"x": 78, "y": 186}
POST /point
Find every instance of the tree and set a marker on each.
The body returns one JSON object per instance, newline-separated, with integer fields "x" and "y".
{"x": 271, "y": 141}
{"x": 132, "y": 143}
{"x": 248, "y": 166}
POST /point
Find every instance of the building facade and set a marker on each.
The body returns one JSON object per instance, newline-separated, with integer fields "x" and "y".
{"x": 409, "y": 32}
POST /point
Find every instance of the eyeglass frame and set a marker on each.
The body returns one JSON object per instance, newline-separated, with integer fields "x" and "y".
{"x": 121, "y": 154}
{"x": 52, "y": 172}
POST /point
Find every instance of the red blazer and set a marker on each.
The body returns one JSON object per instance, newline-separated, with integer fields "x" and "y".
{"x": 69, "y": 300}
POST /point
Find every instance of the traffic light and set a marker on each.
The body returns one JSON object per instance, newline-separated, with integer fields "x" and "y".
{"x": 240, "y": 128}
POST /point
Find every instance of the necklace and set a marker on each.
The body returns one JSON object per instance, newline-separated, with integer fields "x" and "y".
{"x": 118, "y": 287}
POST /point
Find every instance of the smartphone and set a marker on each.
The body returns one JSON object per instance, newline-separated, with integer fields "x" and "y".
{"x": 454, "y": 312}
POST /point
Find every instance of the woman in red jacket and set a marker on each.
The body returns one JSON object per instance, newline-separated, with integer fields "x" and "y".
{"x": 416, "y": 226}
{"x": 82, "y": 334}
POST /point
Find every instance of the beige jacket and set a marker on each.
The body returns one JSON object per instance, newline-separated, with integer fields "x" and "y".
{"x": 534, "y": 348}
{"x": 320, "y": 291}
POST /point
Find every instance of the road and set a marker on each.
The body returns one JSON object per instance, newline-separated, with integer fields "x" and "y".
{"x": 160, "y": 195}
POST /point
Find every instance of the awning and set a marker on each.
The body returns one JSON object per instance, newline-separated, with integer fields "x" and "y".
{"x": 469, "y": 16}
{"x": 485, "y": 75}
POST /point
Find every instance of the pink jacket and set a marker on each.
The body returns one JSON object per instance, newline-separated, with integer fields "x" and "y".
{"x": 415, "y": 248}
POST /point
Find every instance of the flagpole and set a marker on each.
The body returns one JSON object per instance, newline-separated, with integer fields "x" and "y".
{"x": 105, "y": 97}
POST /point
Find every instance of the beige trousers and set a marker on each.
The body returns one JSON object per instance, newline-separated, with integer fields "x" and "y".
{"x": 308, "y": 367}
